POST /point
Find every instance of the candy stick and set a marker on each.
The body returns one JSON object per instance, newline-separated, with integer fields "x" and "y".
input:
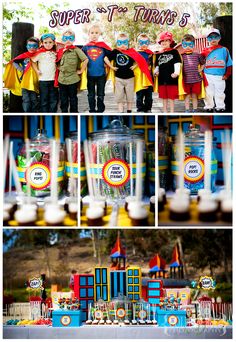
{"x": 181, "y": 154}
{"x": 134, "y": 311}
{"x": 87, "y": 166}
{"x": 139, "y": 160}
{"x": 27, "y": 146}
{"x": 227, "y": 157}
{"x": 14, "y": 170}
{"x": 213, "y": 307}
{"x": 69, "y": 154}
{"x": 53, "y": 166}
{"x": 10, "y": 168}
{"x": 207, "y": 160}
{"x": 5, "y": 156}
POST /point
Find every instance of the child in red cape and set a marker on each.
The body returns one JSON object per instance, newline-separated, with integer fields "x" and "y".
{"x": 72, "y": 62}
{"x": 27, "y": 84}
{"x": 44, "y": 63}
{"x": 96, "y": 53}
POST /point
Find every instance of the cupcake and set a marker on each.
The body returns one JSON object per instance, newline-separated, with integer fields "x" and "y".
{"x": 108, "y": 321}
{"x": 26, "y": 216}
{"x": 203, "y": 193}
{"x": 8, "y": 207}
{"x": 154, "y": 322}
{"x": 181, "y": 191}
{"x": 88, "y": 322}
{"x": 138, "y": 215}
{"x": 73, "y": 210}
{"x": 54, "y": 215}
{"x": 148, "y": 321}
{"x": 134, "y": 322}
{"x": 226, "y": 210}
{"x": 95, "y": 216}
{"x": 207, "y": 210}
{"x": 115, "y": 321}
{"x": 95, "y": 322}
{"x": 126, "y": 322}
{"x": 179, "y": 209}
{"x": 102, "y": 322}
{"x": 152, "y": 204}
{"x": 221, "y": 196}
{"x": 100, "y": 202}
{"x": 6, "y": 218}
{"x": 128, "y": 200}
{"x": 142, "y": 322}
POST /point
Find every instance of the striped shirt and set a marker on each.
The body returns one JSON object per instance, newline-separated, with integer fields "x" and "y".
{"x": 190, "y": 67}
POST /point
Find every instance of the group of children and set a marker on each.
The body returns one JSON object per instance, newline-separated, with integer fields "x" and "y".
{"x": 189, "y": 75}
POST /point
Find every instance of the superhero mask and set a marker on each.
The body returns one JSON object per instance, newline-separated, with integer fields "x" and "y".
{"x": 143, "y": 42}
{"x": 122, "y": 42}
{"x": 186, "y": 45}
{"x": 213, "y": 37}
{"x": 66, "y": 38}
{"x": 31, "y": 46}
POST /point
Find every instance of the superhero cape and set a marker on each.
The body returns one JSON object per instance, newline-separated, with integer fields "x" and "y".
{"x": 83, "y": 81}
{"x": 204, "y": 84}
{"x": 205, "y": 52}
{"x": 142, "y": 80}
{"x": 60, "y": 53}
{"x": 180, "y": 78}
{"x": 16, "y": 80}
{"x": 142, "y": 75}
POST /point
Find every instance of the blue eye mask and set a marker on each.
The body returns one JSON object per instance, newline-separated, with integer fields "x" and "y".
{"x": 144, "y": 42}
{"x": 187, "y": 44}
{"x": 32, "y": 46}
{"x": 122, "y": 42}
{"x": 66, "y": 38}
{"x": 213, "y": 37}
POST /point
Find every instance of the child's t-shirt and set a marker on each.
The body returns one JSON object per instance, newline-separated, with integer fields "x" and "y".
{"x": 69, "y": 64}
{"x": 190, "y": 67}
{"x": 217, "y": 61}
{"x": 166, "y": 61}
{"x": 46, "y": 64}
{"x": 145, "y": 55}
{"x": 123, "y": 62}
{"x": 96, "y": 57}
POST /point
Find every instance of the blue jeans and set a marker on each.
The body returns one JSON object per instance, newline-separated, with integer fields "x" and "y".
{"x": 68, "y": 92}
{"x": 48, "y": 97}
{"x": 99, "y": 82}
{"x": 30, "y": 101}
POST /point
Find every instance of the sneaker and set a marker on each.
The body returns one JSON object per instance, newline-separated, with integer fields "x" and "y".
{"x": 209, "y": 110}
{"x": 219, "y": 110}
{"x": 148, "y": 111}
{"x": 194, "y": 111}
{"x": 187, "y": 111}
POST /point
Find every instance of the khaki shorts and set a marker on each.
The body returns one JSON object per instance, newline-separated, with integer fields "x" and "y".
{"x": 124, "y": 90}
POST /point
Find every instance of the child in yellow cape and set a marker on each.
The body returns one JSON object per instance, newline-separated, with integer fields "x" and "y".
{"x": 21, "y": 79}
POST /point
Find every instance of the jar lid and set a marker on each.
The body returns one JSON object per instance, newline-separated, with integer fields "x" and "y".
{"x": 117, "y": 130}
{"x": 40, "y": 138}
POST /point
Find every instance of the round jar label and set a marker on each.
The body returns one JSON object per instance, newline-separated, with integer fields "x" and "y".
{"x": 65, "y": 320}
{"x": 116, "y": 172}
{"x": 193, "y": 169}
{"x": 38, "y": 176}
{"x": 120, "y": 313}
{"x": 98, "y": 314}
{"x": 172, "y": 320}
{"x": 142, "y": 314}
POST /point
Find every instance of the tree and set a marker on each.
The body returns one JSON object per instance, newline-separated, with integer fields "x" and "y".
{"x": 210, "y": 10}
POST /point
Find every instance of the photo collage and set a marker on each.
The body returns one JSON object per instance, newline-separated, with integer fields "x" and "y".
{"x": 117, "y": 148}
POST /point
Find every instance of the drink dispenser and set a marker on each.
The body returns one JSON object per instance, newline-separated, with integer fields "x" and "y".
{"x": 37, "y": 169}
{"x": 193, "y": 162}
{"x": 112, "y": 161}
